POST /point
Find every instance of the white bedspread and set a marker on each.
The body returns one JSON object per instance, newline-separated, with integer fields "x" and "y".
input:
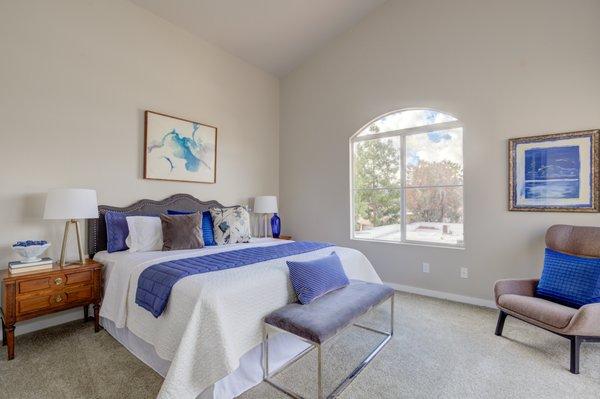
{"x": 211, "y": 319}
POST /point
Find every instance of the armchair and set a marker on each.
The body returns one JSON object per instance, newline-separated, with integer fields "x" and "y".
{"x": 517, "y": 297}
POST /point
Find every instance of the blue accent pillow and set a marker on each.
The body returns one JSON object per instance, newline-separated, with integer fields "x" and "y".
{"x": 569, "y": 280}
{"x": 116, "y": 231}
{"x": 207, "y": 225}
{"x": 314, "y": 278}
{"x": 172, "y": 212}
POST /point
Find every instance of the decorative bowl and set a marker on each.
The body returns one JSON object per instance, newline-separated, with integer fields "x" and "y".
{"x": 30, "y": 250}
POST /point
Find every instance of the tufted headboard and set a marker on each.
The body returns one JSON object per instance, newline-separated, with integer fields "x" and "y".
{"x": 96, "y": 228}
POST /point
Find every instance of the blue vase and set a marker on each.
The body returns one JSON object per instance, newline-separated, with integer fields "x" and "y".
{"x": 276, "y": 225}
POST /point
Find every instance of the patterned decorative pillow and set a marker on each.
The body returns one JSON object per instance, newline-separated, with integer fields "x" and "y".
{"x": 231, "y": 225}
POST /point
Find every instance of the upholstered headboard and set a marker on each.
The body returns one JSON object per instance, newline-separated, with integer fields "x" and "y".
{"x": 96, "y": 228}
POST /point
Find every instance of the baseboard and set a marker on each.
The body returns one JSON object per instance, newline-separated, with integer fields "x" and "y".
{"x": 39, "y": 323}
{"x": 443, "y": 295}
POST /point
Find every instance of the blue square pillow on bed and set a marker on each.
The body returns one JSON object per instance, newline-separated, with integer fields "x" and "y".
{"x": 207, "y": 225}
{"x": 116, "y": 231}
{"x": 314, "y": 278}
{"x": 569, "y": 280}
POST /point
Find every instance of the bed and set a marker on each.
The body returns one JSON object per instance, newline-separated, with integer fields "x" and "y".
{"x": 206, "y": 343}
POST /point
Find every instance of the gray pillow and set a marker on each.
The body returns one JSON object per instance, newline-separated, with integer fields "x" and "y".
{"x": 181, "y": 231}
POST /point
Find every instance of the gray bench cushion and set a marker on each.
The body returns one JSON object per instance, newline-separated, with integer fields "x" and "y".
{"x": 326, "y": 316}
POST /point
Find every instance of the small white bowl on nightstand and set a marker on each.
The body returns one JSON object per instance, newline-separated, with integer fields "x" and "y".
{"x": 30, "y": 253}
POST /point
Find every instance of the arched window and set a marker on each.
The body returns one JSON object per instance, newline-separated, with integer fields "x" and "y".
{"x": 407, "y": 179}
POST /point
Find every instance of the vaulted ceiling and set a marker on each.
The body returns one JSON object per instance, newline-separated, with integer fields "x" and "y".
{"x": 274, "y": 35}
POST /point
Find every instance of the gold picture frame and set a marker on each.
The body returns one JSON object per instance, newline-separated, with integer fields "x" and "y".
{"x": 554, "y": 172}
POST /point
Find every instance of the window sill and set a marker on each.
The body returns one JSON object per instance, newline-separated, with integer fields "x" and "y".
{"x": 411, "y": 243}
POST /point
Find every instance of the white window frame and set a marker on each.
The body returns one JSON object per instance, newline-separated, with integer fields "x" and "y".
{"x": 403, "y": 133}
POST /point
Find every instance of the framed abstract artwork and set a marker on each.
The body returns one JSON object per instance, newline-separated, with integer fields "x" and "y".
{"x": 179, "y": 150}
{"x": 554, "y": 172}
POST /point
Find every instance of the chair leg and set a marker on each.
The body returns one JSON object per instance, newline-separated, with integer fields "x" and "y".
{"x": 500, "y": 324}
{"x": 575, "y": 349}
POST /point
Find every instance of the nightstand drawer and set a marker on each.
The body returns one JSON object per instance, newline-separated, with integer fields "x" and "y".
{"x": 56, "y": 281}
{"x": 79, "y": 277}
{"x": 34, "y": 304}
{"x": 42, "y": 302}
{"x": 83, "y": 293}
{"x": 39, "y": 284}
{"x": 58, "y": 299}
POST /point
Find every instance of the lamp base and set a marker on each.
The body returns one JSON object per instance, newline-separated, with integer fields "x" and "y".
{"x": 64, "y": 243}
{"x": 265, "y": 219}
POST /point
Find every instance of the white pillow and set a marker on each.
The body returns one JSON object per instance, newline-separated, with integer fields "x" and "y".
{"x": 145, "y": 233}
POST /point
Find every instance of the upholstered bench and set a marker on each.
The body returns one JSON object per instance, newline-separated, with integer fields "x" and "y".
{"x": 324, "y": 318}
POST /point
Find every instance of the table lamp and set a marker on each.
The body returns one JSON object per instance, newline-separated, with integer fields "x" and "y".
{"x": 71, "y": 204}
{"x": 268, "y": 204}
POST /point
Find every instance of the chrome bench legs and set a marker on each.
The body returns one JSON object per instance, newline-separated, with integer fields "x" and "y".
{"x": 268, "y": 376}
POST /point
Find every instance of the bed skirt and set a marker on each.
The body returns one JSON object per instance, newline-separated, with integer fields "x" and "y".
{"x": 282, "y": 348}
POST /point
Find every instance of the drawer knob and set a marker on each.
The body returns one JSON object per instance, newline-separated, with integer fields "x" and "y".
{"x": 58, "y": 299}
{"x": 58, "y": 281}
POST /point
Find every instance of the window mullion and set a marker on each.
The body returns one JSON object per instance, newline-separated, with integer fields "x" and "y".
{"x": 402, "y": 188}
{"x": 409, "y": 131}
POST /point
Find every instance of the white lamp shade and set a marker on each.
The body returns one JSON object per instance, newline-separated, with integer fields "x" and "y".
{"x": 265, "y": 204}
{"x": 71, "y": 203}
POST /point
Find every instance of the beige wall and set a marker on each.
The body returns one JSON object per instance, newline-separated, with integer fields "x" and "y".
{"x": 75, "y": 78}
{"x": 505, "y": 68}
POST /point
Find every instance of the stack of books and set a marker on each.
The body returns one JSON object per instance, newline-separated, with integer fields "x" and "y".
{"x": 23, "y": 267}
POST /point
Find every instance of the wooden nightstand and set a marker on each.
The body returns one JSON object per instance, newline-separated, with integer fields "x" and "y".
{"x": 32, "y": 294}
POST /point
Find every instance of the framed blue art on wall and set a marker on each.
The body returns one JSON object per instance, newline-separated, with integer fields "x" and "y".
{"x": 178, "y": 149}
{"x": 554, "y": 172}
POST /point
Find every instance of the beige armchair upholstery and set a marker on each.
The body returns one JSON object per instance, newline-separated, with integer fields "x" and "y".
{"x": 517, "y": 297}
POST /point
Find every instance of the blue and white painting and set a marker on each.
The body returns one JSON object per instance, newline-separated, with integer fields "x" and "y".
{"x": 552, "y": 174}
{"x": 177, "y": 149}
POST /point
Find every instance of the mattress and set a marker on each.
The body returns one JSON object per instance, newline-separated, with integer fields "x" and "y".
{"x": 210, "y": 331}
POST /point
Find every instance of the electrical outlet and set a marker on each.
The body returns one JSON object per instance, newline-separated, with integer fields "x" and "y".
{"x": 425, "y": 267}
{"x": 464, "y": 272}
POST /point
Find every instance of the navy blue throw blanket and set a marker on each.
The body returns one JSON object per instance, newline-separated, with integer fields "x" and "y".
{"x": 156, "y": 282}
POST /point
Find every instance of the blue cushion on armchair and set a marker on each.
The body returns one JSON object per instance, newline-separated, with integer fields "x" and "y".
{"x": 207, "y": 225}
{"x": 569, "y": 280}
{"x": 315, "y": 278}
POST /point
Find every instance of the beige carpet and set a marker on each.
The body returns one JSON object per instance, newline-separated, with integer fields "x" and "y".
{"x": 440, "y": 349}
